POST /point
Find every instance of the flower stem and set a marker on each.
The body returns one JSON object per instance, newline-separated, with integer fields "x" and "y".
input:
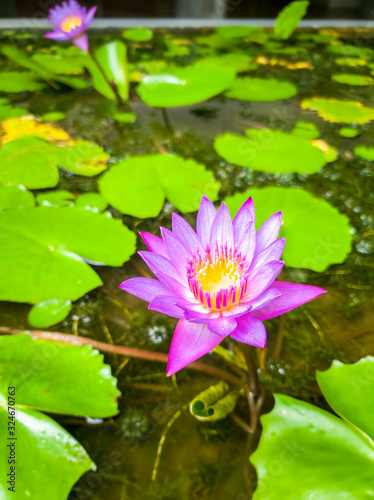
{"x": 166, "y": 118}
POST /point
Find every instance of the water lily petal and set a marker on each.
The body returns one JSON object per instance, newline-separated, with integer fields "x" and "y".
{"x": 292, "y": 295}
{"x": 145, "y": 288}
{"x": 263, "y": 279}
{"x": 250, "y": 330}
{"x": 166, "y": 305}
{"x": 247, "y": 243}
{"x": 190, "y": 342}
{"x": 177, "y": 287}
{"x": 222, "y": 234}
{"x": 245, "y": 215}
{"x": 204, "y": 221}
{"x": 153, "y": 243}
{"x": 59, "y": 36}
{"x": 81, "y": 42}
{"x": 157, "y": 263}
{"x": 185, "y": 233}
{"x": 222, "y": 326}
{"x": 268, "y": 232}
{"x": 90, "y": 15}
{"x": 177, "y": 252}
{"x": 272, "y": 252}
{"x": 265, "y": 298}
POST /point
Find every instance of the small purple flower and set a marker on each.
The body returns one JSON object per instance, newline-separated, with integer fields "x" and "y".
{"x": 70, "y": 20}
{"x": 218, "y": 281}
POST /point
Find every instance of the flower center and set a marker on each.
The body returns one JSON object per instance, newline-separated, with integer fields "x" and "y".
{"x": 218, "y": 280}
{"x": 71, "y": 22}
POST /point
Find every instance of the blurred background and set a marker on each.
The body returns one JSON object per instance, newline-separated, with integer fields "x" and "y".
{"x": 210, "y": 9}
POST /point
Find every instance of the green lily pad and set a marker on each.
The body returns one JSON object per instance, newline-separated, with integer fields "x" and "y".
{"x": 317, "y": 234}
{"x": 138, "y": 34}
{"x": 350, "y": 61}
{"x": 29, "y": 162}
{"x": 92, "y": 201}
{"x": 184, "y": 86}
{"x": 121, "y": 117}
{"x": 49, "y": 312}
{"x": 347, "y": 50}
{"x": 56, "y": 198}
{"x": 216, "y": 41}
{"x": 348, "y": 79}
{"x": 239, "y": 62}
{"x": 349, "y": 132}
{"x": 341, "y": 384}
{"x": 335, "y": 111}
{"x": 260, "y": 89}
{"x": 15, "y": 82}
{"x": 215, "y": 403}
{"x": 271, "y": 151}
{"x": 46, "y": 247}
{"x": 289, "y": 18}
{"x": 83, "y": 158}
{"x": 8, "y": 111}
{"x": 306, "y": 453}
{"x": 62, "y": 63}
{"x": 15, "y": 197}
{"x": 306, "y": 130}
{"x": 175, "y": 48}
{"x": 53, "y": 116}
{"x": 365, "y": 152}
{"x": 138, "y": 186}
{"x": 238, "y": 31}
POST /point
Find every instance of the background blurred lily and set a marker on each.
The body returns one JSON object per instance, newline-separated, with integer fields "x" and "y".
{"x": 70, "y": 21}
{"x": 219, "y": 280}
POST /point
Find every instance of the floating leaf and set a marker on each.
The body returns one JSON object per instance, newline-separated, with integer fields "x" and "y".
{"x": 271, "y": 151}
{"x": 15, "y": 197}
{"x": 341, "y": 384}
{"x": 46, "y": 247}
{"x": 176, "y": 47}
{"x": 121, "y": 117}
{"x": 349, "y": 132}
{"x": 317, "y": 234}
{"x": 365, "y": 152}
{"x": 62, "y": 63}
{"x": 56, "y": 198}
{"x": 347, "y": 50}
{"x": 53, "y": 116}
{"x": 112, "y": 58}
{"x": 83, "y": 158}
{"x": 216, "y": 41}
{"x": 15, "y": 81}
{"x": 350, "y": 61}
{"x": 330, "y": 153}
{"x": 238, "y": 31}
{"x": 184, "y": 86}
{"x": 29, "y": 162}
{"x": 215, "y": 403}
{"x": 335, "y": 111}
{"x": 138, "y": 186}
{"x": 49, "y": 312}
{"x": 138, "y": 34}
{"x": 306, "y": 130}
{"x": 260, "y": 89}
{"x": 349, "y": 79}
{"x": 92, "y": 201}
{"x": 17, "y": 128}
{"x": 7, "y": 110}
{"x": 289, "y": 18}
{"x": 306, "y": 453}
{"x": 239, "y": 62}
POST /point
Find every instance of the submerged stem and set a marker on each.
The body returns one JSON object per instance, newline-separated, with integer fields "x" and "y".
{"x": 166, "y": 118}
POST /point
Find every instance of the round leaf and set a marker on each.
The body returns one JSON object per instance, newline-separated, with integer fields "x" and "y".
{"x": 138, "y": 34}
{"x": 56, "y": 198}
{"x": 14, "y": 82}
{"x": 15, "y": 197}
{"x": 49, "y": 312}
{"x": 317, "y": 234}
{"x": 239, "y": 62}
{"x": 45, "y": 248}
{"x": 365, "y": 152}
{"x": 92, "y": 201}
{"x": 138, "y": 186}
{"x": 351, "y": 51}
{"x": 360, "y": 80}
{"x": 261, "y": 89}
{"x": 289, "y": 18}
{"x": 184, "y": 86}
{"x": 307, "y": 453}
{"x": 306, "y": 130}
{"x": 343, "y": 384}
{"x": 335, "y": 111}
{"x": 271, "y": 151}
{"x": 349, "y": 132}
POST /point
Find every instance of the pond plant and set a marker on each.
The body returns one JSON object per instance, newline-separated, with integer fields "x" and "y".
{"x": 257, "y": 371}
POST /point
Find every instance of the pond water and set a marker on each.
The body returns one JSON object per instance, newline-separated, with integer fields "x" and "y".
{"x": 210, "y": 460}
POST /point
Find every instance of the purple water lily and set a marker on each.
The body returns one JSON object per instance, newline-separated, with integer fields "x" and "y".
{"x": 70, "y": 20}
{"x": 219, "y": 280}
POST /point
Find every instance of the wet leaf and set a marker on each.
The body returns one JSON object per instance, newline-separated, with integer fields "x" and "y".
{"x": 342, "y": 384}
{"x": 92, "y": 201}
{"x": 329, "y": 458}
{"x": 335, "y": 111}
{"x": 138, "y": 186}
{"x": 215, "y": 403}
{"x": 46, "y": 248}
{"x": 365, "y": 152}
{"x": 138, "y": 34}
{"x": 317, "y": 234}
{"x": 29, "y": 126}
{"x": 306, "y": 130}
{"x": 62, "y": 63}
{"x": 353, "y": 79}
{"x": 49, "y": 312}
{"x": 56, "y": 198}
{"x": 83, "y": 158}
{"x": 15, "y": 197}
{"x": 15, "y": 82}
{"x": 184, "y": 86}
{"x": 271, "y": 151}
{"x": 261, "y": 89}
{"x": 289, "y": 18}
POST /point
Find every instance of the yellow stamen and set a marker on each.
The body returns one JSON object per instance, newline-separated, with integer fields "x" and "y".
{"x": 71, "y": 22}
